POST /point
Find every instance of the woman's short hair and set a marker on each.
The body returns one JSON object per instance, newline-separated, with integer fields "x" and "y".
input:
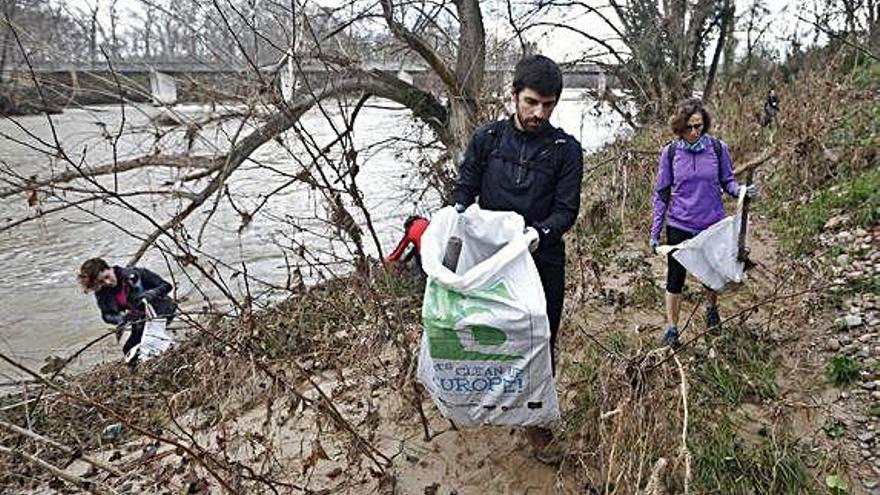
{"x": 683, "y": 111}
{"x": 89, "y": 273}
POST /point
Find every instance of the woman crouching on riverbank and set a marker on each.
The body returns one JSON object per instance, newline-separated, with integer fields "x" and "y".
{"x": 121, "y": 293}
{"x": 693, "y": 170}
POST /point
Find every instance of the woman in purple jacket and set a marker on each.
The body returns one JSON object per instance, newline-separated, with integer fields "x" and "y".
{"x": 693, "y": 171}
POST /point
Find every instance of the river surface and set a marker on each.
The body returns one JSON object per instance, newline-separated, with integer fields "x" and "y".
{"x": 43, "y": 312}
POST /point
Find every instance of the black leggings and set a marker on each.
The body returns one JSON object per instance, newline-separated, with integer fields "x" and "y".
{"x": 553, "y": 281}
{"x": 675, "y": 273}
{"x": 137, "y": 333}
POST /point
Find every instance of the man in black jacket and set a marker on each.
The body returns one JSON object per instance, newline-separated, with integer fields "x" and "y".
{"x": 121, "y": 293}
{"x": 526, "y": 165}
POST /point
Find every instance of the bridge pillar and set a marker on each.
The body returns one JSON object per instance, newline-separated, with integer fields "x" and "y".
{"x": 405, "y": 76}
{"x": 163, "y": 88}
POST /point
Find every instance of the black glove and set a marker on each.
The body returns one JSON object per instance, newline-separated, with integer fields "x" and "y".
{"x": 150, "y": 295}
{"x": 131, "y": 316}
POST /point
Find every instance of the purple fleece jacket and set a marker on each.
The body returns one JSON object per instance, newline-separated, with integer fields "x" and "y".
{"x": 688, "y": 196}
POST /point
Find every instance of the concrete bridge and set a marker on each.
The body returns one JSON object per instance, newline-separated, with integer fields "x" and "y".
{"x": 583, "y": 75}
{"x": 164, "y": 79}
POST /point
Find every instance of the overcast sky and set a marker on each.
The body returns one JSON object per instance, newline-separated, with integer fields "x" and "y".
{"x": 562, "y": 46}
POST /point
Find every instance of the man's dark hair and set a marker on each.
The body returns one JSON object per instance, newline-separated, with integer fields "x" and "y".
{"x": 538, "y": 73}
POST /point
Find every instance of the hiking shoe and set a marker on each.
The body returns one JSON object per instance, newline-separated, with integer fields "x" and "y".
{"x": 671, "y": 338}
{"x": 713, "y": 319}
{"x": 539, "y": 438}
{"x": 132, "y": 358}
{"x": 551, "y": 455}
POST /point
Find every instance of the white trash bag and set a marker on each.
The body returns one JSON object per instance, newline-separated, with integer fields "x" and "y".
{"x": 485, "y": 349}
{"x": 155, "y": 339}
{"x": 711, "y": 256}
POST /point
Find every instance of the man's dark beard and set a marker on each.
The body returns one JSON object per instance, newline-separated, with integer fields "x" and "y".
{"x": 531, "y": 125}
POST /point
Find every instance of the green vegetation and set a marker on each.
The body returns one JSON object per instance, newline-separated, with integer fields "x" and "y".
{"x": 842, "y": 370}
{"x": 834, "y": 428}
{"x": 727, "y": 463}
{"x": 859, "y": 197}
{"x": 743, "y": 371}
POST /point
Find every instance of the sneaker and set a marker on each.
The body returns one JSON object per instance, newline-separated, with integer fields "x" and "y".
{"x": 551, "y": 455}
{"x": 539, "y": 438}
{"x": 671, "y": 338}
{"x": 133, "y": 356}
{"x": 713, "y": 319}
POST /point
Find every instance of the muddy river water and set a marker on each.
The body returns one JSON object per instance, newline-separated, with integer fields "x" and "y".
{"x": 42, "y": 310}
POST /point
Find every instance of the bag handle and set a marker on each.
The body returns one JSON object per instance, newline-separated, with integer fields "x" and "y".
{"x": 151, "y": 313}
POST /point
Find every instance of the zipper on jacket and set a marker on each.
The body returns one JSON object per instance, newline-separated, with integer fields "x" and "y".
{"x": 520, "y": 167}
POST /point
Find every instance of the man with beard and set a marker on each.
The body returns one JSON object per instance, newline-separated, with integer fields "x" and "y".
{"x": 526, "y": 165}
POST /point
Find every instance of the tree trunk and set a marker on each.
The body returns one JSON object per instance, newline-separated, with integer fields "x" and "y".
{"x": 726, "y": 20}
{"x": 9, "y": 14}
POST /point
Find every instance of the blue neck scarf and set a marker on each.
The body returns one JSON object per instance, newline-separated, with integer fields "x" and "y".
{"x": 696, "y": 147}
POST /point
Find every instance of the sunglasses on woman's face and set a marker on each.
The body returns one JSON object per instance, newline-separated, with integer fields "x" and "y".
{"x": 694, "y": 127}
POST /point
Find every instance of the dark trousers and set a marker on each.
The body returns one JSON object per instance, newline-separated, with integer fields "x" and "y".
{"x": 134, "y": 338}
{"x": 553, "y": 281}
{"x": 675, "y": 273}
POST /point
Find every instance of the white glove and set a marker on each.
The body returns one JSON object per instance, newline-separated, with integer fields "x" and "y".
{"x": 751, "y": 190}
{"x": 535, "y": 238}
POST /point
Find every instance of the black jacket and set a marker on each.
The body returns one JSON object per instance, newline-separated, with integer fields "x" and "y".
{"x": 537, "y": 175}
{"x": 139, "y": 284}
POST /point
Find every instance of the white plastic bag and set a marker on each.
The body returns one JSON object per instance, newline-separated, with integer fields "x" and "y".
{"x": 155, "y": 339}
{"x": 485, "y": 349}
{"x": 711, "y": 256}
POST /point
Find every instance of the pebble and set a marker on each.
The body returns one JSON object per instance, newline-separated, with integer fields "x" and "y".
{"x": 875, "y": 395}
{"x": 845, "y": 340}
{"x": 866, "y": 338}
{"x": 864, "y": 352}
{"x": 869, "y": 385}
{"x": 866, "y": 437}
{"x": 849, "y": 321}
{"x": 842, "y": 259}
{"x": 833, "y": 345}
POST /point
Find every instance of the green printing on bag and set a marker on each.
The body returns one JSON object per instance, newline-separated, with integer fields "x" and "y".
{"x": 444, "y": 308}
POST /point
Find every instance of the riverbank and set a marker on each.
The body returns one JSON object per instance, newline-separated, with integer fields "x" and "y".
{"x": 317, "y": 392}
{"x": 54, "y": 92}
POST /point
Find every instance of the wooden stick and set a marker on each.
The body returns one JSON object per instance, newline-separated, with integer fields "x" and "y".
{"x": 66, "y": 449}
{"x": 92, "y": 486}
{"x": 26, "y": 401}
{"x": 753, "y": 164}
{"x": 742, "y": 253}
{"x": 685, "y": 453}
